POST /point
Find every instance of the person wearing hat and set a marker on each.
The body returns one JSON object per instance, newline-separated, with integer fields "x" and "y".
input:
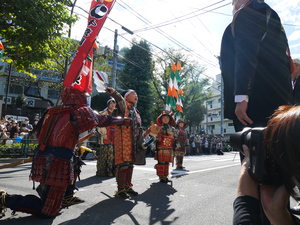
{"x": 182, "y": 143}
{"x": 125, "y": 142}
{"x": 165, "y": 144}
{"x": 105, "y": 162}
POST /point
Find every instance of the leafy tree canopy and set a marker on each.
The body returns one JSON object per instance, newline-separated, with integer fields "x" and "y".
{"x": 136, "y": 75}
{"x": 193, "y": 84}
{"x": 32, "y": 30}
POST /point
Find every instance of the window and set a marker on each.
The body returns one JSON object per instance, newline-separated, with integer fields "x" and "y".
{"x": 32, "y": 89}
{"x": 230, "y": 124}
{"x": 211, "y": 127}
{"x": 52, "y": 93}
{"x": 16, "y": 89}
{"x": 209, "y": 103}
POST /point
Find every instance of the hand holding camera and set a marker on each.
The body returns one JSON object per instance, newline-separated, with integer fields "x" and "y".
{"x": 274, "y": 199}
{"x": 274, "y": 162}
{"x": 262, "y": 167}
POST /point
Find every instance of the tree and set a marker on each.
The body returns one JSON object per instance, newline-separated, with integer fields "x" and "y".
{"x": 194, "y": 86}
{"x": 136, "y": 75}
{"x": 98, "y": 102}
{"x": 31, "y": 30}
{"x": 196, "y": 92}
{"x": 21, "y": 101}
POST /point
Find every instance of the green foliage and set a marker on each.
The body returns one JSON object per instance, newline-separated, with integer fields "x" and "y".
{"x": 30, "y": 31}
{"x": 98, "y": 102}
{"x": 16, "y": 149}
{"x": 21, "y": 101}
{"x": 193, "y": 85}
{"x": 195, "y": 94}
{"x": 136, "y": 75}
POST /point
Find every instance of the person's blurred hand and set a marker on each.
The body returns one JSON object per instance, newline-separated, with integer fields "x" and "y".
{"x": 275, "y": 201}
{"x": 241, "y": 113}
{"x": 246, "y": 185}
{"x": 110, "y": 90}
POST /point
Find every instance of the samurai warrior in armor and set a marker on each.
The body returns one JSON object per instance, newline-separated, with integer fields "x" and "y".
{"x": 182, "y": 143}
{"x": 53, "y": 163}
{"x": 165, "y": 143}
{"x": 126, "y": 142}
{"x": 106, "y": 159}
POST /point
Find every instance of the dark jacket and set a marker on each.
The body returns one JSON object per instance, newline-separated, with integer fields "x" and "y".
{"x": 254, "y": 62}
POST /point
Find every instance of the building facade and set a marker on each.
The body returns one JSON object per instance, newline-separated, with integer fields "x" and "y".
{"x": 16, "y": 86}
{"x": 13, "y": 87}
{"x": 214, "y": 121}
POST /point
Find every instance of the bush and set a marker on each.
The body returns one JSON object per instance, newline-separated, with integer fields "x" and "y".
{"x": 17, "y": 149}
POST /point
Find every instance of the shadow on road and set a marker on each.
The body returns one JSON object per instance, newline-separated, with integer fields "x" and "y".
{"x": 108, "y": 211}
{"x": 157, "y": 197}
{"x": 104, "y": 212}
{"x": 10, "y": 172}
{"x": 91, "y": 181}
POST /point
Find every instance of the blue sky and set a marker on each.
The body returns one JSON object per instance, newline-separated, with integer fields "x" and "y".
{"x": 195, "y": 26}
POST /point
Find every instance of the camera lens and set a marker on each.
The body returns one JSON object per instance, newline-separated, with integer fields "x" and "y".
{"x": 240, "y": 138}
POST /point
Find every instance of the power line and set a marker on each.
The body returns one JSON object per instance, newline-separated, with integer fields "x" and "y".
{"x": 176, "y": 20}
{"x": 140, "y": 67}
{"x": 159, "y": 56}
{"x": 170, "y": 37}
{"x": 133, "y": 63}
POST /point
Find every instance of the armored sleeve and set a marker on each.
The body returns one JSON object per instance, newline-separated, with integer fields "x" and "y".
{"x": 121, "y": 103}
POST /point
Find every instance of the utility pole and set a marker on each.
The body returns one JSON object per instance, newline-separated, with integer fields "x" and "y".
{"x": 115, "y": 58}
{"x": 222, "y": 101}
{"x": 222, "y": 107}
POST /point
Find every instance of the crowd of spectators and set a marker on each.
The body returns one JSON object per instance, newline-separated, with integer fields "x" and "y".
{"x": 201, "y": 144}
{"x": 207, "y": 144}
{"x": 13, "y": 131}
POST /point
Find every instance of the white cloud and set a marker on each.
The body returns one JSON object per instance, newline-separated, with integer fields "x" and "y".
{"x": 294, "y": 36}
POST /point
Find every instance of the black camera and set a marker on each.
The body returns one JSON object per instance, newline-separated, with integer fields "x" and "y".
{"x": 262, "y": 166}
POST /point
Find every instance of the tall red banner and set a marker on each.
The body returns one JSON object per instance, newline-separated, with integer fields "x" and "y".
{"x": 84, "y": 81}
{"x": 99, "y": 11}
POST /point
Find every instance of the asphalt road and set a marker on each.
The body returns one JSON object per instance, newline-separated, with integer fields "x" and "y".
{"x": 202, "y": 195}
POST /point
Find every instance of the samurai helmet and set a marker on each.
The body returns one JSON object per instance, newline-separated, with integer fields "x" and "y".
{"x": 159, "y": 122}
{"x": 181, "y": 121}
{"x": 73, "y": 96}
